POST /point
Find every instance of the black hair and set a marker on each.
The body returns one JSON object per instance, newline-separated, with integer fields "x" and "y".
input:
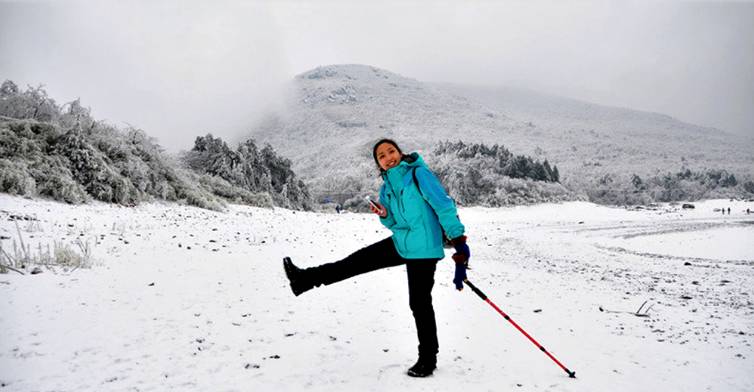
{"x": 383, "y": 141}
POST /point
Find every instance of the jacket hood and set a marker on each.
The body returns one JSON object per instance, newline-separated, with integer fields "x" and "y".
{"x": 414, "y": 160}
{"x": 395, "y": 176}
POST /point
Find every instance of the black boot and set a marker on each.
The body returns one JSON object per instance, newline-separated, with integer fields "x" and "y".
{"x": 423, "y": 367}
{"x": 300, "y": 282}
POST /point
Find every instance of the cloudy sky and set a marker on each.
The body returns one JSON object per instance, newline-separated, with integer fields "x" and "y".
{"x": 178, "y": 69}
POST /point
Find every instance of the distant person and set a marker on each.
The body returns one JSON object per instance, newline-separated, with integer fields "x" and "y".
{"x": 337, "y": 208}
{"x": 416, "y": 208}
{"x": 728, "y": 210}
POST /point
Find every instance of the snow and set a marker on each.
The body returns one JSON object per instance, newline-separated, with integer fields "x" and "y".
{"x": 151, "y": 315}
{"x": 727, "y": 243}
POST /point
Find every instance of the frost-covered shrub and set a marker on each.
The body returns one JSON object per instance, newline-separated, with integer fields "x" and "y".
{"x": 62, "y": 153}
{"x": 53, "y": 178}
{"x": 30, "y": 104}
{"x": 15, "y": 178}
{"x": 499, "y": 159}
{"x": 477, "y": 174}
{"x": 199, "y": 198}
{"x": 228, "y": 191}
{"x": 62, "y": 188}
{"x": 685, "y": 185}
{"x": 748, "y": 186}
{"x": 248, "y": 168}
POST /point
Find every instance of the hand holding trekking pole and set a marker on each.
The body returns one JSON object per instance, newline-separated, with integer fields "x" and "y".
{"x": 461, "y": 257}
{"x": 460, "y": 275}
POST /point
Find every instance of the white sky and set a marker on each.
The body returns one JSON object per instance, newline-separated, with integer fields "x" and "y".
{"x": 179, "y": 69}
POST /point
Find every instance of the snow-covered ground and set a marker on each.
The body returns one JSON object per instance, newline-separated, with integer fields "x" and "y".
{"x": 186, "y": 299}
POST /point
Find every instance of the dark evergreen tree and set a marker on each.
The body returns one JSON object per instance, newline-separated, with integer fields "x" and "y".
{"x": 637, "y": 183}
{"x": 749, "y": 186}
{"x": 540, "y": 174}
{"x": 728, "y": 181}
{"x": 548, "y": 171}
{"x": 518, "y": 167}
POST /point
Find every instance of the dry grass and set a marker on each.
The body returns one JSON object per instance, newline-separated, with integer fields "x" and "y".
{"x": 62, "y": 254}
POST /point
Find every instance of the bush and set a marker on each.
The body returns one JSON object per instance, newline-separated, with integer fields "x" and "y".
{"x": 64, "y": 154}
{"x": 685, "y": 185}
{"x": 14, "y": 178}
{"x": 476, "y": 174}
{"x": 748, "y": 186}
{"x": 248, "y": 172}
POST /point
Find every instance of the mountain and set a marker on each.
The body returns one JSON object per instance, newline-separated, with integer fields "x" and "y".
{"x": 590, "y": 140}
{"x": 335, "y": 113}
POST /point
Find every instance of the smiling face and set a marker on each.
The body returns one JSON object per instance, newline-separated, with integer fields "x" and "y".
{"x": 387, "y": 156}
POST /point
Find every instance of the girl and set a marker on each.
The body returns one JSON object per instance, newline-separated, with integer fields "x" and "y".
{"x": 416, "y": 208}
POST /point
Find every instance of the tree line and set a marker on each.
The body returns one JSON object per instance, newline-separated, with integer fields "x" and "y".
{"x": 62, "y": 152}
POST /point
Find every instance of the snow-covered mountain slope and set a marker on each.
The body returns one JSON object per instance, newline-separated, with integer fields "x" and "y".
{"x": 336, "y": 112}
{"x": 189, "y": 299}
{"x": 583, "y": 135}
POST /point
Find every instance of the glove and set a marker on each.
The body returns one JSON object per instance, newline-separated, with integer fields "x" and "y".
{"x": 463, "y": 253}
{"x": 461, "y": 257}
{"x": 460, "y": 275}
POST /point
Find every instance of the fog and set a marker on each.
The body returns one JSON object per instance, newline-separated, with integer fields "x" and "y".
{"x": 181, "y": 69}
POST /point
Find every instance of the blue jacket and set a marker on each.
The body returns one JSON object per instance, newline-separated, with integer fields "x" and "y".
{"x": 414, "y": 220}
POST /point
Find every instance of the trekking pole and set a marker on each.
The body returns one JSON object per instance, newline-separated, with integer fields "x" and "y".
{"x": 481, "y": 295}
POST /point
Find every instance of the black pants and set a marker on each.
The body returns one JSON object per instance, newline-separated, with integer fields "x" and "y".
{"x": 421, "y": 279}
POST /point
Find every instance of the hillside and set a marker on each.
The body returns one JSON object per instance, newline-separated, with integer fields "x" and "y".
{"x": 336, "y": 112}
{"x": 589, "y": 139}
{"x": 62, "y": 152}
